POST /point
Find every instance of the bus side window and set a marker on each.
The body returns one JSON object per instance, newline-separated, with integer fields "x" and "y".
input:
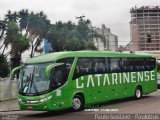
{"x": 98, "y": 65}
{"x": 149, "y": 63}
{"x": 58, "y": 77}
{"x": 131, "y": 64}
{"x": 124, "y": 64}
{"x": 128, "y": 65}
{"x": 83, "y": 67}
{"x": 106, "y": 65}
{"x": 115, "y": 64}
{"x": 67, "y": 65}
{"x": 139, "y": 64}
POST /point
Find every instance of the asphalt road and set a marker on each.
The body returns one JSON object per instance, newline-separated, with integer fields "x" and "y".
{"x": 149, "y": 104}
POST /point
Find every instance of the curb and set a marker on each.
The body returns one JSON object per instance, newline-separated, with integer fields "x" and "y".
{"x": 10, "y": 111}
{"x": 8, "y": 100}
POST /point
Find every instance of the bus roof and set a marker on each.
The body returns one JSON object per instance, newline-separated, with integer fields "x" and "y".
{"x": 59, "y": 55}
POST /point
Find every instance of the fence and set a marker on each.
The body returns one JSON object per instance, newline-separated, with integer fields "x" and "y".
{"x": 8, "y": 89}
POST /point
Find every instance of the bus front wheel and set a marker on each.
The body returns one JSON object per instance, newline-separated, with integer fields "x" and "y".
{"x": 77, "y": 103}
{"x": 138, "y": 93}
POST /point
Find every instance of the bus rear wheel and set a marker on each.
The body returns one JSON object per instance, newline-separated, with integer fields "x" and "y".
{"x": 138, "y": 93}
{"x": 77, "y": 103}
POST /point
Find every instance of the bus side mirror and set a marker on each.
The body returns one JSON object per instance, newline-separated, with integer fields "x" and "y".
{"x": 49, "y": 69}
{"x": 14, "y": 71}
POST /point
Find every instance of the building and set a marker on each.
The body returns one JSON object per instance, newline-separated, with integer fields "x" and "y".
{"x": 111, "y": 40}
{"x": 123, "y": 48}
{"x": 145, "y": 28}
{"x": 47, "y": 46}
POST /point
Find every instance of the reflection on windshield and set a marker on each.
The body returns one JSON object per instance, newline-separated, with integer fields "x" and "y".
{"x": 33, "y": 79}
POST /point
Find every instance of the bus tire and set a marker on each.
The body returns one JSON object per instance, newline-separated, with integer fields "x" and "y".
{"x": 77, "y": 103}
{"x": 138, "y": 93}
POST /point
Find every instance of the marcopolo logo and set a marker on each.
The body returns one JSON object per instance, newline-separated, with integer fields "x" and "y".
{"x": 114, "y": 78}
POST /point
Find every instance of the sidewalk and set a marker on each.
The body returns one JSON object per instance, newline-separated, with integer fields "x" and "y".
{"x": 11, "y": 105}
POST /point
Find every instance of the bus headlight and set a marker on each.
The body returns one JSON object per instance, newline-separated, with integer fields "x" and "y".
{"x": 45, "y": 99}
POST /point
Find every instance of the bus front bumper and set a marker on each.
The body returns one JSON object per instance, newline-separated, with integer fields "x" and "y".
{"x": 39, "y": 106}
{"x": 48, "y": 105}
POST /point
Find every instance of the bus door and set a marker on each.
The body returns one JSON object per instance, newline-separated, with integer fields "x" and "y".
{"x": 61, "y": 80}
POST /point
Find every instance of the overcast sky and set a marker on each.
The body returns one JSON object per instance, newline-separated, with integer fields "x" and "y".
{"x": 115, "y": 14}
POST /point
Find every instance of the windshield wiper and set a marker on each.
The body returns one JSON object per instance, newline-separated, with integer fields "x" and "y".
{"x": 33, "y": 83}
{"x": 27, "y": 82}
{"x": 34, "y": 86}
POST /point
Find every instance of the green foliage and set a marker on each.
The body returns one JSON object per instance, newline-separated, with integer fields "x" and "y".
{"x": 38, "y": 24}
{"x": 18, "y": 43}
{"x": 2, "y": 28}
{"x": 11, "y": 16}
{"x": 35, "y": 26}
{"x": 25, "y": 30}
{"x": 22, "y": 43}
{"x": 69, "y": 36}
{"x": 74, "y": 44}
{"x": 32, "y": 26}
{"x": 4, "y": 68}
{"x": 28, "y": 29}
{"x": 11, "y": 33}
{"x": 23, "y": 15}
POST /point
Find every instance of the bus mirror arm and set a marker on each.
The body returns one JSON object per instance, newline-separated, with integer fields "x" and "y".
{"x": 49, "y": 68}
{"x": 14, "y": 71}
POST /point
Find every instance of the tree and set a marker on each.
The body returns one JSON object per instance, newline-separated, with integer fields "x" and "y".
{"x": 11, "y": 16}
{"x": 74, "y": 44}
{"x": 57, "y": 35}
{"x": 18, "y": 43}
{"x": 24, "y": 16}
{"x": 2, "y": 31}
{"x": 87, "y": 34}
{"x": 35, "y": 27}
{"x": 31, "y": 25}
{"x": 4, "y": 68}
{"x": 2, "y": 28}
{"x": 69, "y": 36}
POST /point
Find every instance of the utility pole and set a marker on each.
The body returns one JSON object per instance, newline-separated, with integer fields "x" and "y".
{"x": 80, "y": 18}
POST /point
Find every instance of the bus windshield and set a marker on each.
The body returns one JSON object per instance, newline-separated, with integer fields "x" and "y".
{"x": 33, "y": 79}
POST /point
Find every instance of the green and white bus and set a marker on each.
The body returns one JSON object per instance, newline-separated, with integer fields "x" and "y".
{"x": 63, "y": 80}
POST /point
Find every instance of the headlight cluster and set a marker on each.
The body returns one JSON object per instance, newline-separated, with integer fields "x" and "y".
{"x": 45, "y": 99}
{"x": 35, "y": 101}
{"x": 19, "y": 99}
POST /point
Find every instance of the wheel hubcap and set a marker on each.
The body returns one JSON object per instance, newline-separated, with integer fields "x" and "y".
{"x": 76, "y": 103}
{"x": 138, "y": 93}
